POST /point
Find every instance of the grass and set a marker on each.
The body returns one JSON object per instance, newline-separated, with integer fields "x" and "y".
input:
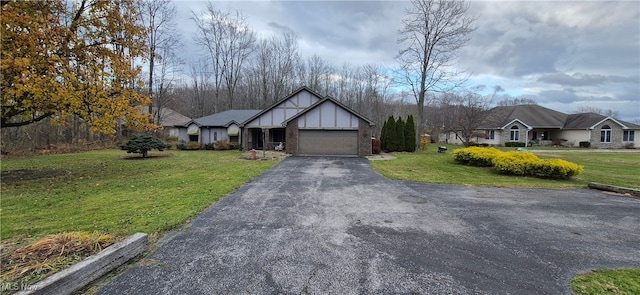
{"x": 621, "y": 169}
{"x": 101, "y": 192}
{"x": 68, "y": 207}
{"x": 620, "y": 281}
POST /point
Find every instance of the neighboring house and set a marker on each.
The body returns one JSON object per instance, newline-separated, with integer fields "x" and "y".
{"x": 224, "y": 126}
{"x": 537, "y": 125}
{"x": 303, "y": 123}
{"x": 168, "y": 119}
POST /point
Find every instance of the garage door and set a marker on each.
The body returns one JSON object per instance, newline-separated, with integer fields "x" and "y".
{"x": 328, "y": 142}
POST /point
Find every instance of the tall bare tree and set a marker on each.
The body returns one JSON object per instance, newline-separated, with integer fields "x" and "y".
{"x": 159, "y": 18}
{"x": 462, "y": 114}
{"x": 433, "y": 33}
{"x": 229, "y": 41}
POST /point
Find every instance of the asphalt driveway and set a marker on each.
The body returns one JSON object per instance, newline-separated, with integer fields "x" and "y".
{"x": 314, "y": 225}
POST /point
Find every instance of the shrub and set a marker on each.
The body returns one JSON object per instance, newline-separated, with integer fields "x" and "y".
{"x": 514, "y": 144}
{"x": 425, "y": 141}
{"x": 515, "y": 162}
{"x": 476, "y": 156}
{"x": 376, "y": 146}
{"x": 182, "y": 145}
{"x": 193, "y": 146}
{"x": 556, "y": 168}
{"x": 223, "y": 145}
{"x": 143, "y": 144}
{"x": 208, "y": 146}
{"x": 585, "y": 144}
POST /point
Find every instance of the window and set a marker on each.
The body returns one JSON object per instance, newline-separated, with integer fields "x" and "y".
{"x": 628, "y": 135}
{"x": 545, "y": 135}
{"x": 605, "y": 134}
{"x": 490, "y": 134}
{"x": 515, "y": 134}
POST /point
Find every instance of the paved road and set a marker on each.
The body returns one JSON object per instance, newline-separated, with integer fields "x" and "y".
{"x": 335, "y": 226}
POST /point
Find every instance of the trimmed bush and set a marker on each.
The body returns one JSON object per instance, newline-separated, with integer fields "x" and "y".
{"x": 143, "y": 144}
{"x": 223, "y": 145}
{"x": 517, "y": 163}
{"x": 585, "y": 144}
{"x": 476, "y": 156}
{"x": 556, "y": 168}
{"x": 192, "y": 146}
{"x": 515, "y": 144}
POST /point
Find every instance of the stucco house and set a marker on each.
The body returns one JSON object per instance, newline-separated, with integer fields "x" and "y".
{"x": 537, "y": 125}
{"x": 303, "y": 123}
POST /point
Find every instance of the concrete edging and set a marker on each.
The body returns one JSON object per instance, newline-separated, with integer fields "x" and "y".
{"x": 81, "y": 274}
{"x": 613, "y": 188}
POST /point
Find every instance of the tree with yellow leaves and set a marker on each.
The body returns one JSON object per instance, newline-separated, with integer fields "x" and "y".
{"x": 81, "y": 58}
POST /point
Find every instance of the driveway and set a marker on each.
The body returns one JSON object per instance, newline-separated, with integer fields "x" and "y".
{"x": 314, "y": 225}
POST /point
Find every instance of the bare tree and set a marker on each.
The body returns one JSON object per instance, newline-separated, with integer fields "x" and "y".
{"x": 592, "y": 109}
{"x": 463, "y": 114}
{"x": 159, "y": 18}
{"x": 433, "y": 33}
{"x": 229, "y": 41}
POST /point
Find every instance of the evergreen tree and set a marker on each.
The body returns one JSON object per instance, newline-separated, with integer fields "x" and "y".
{"x": 392, "y": 144}
{"x": 399, "y": 136}
{"x": 410, "y": 135}
{"x": 383, "y": 136}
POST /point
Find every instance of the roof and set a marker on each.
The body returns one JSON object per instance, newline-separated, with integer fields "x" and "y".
{"x": 534, "y": 116}
{"x": 328, "y": 98}
{"x": 273, "y": 106}
{"x": 222, "y": 119}
{"x": 590, "y": 120}
{"x": 168, "y": 117}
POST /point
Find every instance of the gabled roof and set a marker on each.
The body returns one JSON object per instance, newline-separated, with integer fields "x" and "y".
{"x": 222, "y": 119}
{"x": 168, "y": 117}
{"x": 294, "y": 93}
{"x": 591, "y": 120}
{"x": 331, "y": 99}
{"x": 534, "y": 116}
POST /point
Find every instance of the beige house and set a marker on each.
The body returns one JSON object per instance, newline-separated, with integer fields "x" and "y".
{"x": 537, "y": 125}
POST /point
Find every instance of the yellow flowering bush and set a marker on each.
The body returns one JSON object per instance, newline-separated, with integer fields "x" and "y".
{"x": 517, "y": 163}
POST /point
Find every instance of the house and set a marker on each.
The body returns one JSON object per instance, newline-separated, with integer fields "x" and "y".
{"x": 224, "y": 126}
{"x": 303, "y": 123}
{"x": 168, "y": 119}
{"x": 537, "y": 125}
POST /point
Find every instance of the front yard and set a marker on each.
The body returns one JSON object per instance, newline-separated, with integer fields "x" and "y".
{"x": 614, "y": 168}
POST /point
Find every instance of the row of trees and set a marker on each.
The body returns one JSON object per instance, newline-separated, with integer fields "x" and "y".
{"x": 398, "y": 136}
{"x": 98, "y": 62}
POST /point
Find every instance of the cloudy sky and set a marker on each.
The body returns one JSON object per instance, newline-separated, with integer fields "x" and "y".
{"x": 564, "y": 55}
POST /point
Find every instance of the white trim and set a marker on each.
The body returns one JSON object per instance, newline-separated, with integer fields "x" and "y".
{"x": 516, "y": 120}
{"x": 609, "y": 118}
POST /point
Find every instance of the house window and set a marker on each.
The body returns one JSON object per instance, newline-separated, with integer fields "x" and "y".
{"x": 605, "y": 134}
{"x": 193, "y": 138}
{"x": 515, "y": 134}
{"x": 490, "y": 134}
{"x": 628, "y": 135}
{"x": 545, "y": 135}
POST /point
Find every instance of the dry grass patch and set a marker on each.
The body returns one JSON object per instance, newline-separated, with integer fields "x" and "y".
{"x": 28, "y": 265}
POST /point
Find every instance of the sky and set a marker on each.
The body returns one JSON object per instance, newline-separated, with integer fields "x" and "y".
{"x": 563, "y": 55}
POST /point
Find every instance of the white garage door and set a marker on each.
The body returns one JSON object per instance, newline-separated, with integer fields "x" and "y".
{"x": 328, "y": 142}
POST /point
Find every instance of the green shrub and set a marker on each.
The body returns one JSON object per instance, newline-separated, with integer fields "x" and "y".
{"x": 515, "y": 144}
{"x": 585, "y": 144}
{"x": 208, "y": 146}
{"x": 182, "y": 145}
{"x": 143, "y": 144}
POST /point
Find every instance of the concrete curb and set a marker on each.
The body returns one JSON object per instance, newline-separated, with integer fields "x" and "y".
{"x": 616, "y": 189}
{"x": 81, "y": 274}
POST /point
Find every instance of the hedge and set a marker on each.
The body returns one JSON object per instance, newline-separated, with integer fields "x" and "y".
{"x": 517, "y": 163}
{"x": 515, "y": 144}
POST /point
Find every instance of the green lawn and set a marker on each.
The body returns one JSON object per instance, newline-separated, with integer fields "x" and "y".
{"x": 101, "y": 192}
{"x": 621, "y": 169}
{"x": 620, "y": 281}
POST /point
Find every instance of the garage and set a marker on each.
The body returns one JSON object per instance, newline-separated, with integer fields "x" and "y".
{"x": 328, "y": 142}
